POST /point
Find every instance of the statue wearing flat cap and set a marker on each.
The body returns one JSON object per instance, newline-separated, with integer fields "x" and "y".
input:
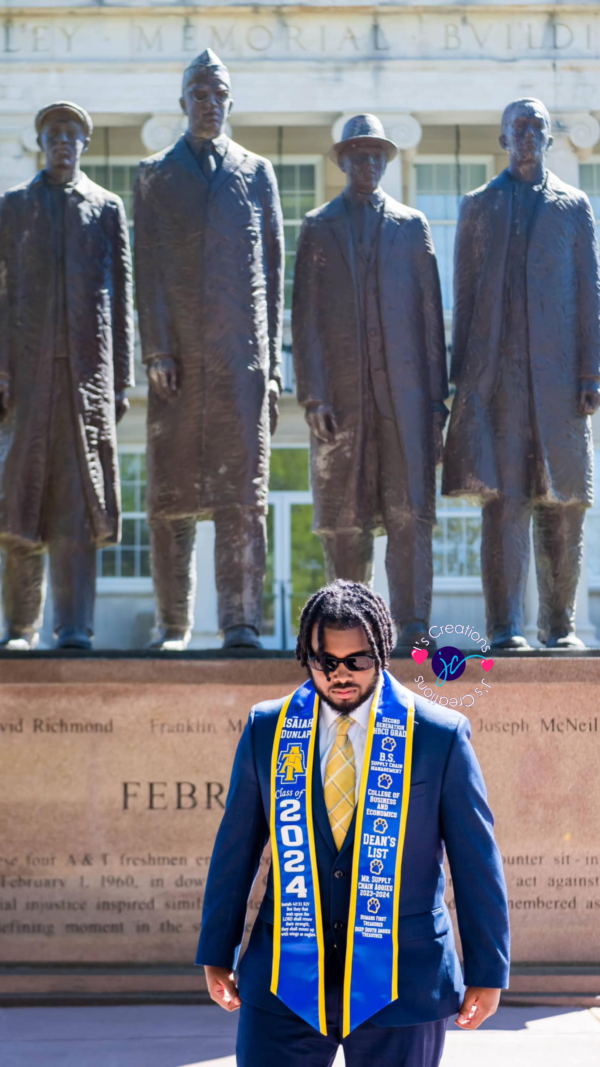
{"x": 66, "y": 359}
{"x": 209, "y": 282}
{"x": 526, "y": 362}
{"x": 369, "y": 353}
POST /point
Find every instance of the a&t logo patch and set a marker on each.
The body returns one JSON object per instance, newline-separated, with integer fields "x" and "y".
{"x": 291, "y": 763}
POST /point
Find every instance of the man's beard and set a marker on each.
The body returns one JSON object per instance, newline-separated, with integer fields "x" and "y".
{"x": 347, "y": 706}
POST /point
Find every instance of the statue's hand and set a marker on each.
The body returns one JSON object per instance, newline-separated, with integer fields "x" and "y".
{"x": 589, "y": 396}
{"x": 121, "y": 405}
{"x": 273, "y": 406}
{"x": 439, "y": 421}
{"x": 4, "y": 398}
{"x": 321, "y": 419}
{"x": 162, "y": 375}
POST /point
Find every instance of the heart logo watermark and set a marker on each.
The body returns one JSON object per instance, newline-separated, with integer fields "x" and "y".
{"x": 449, "y": 663}
{"x": 419, "y": 655}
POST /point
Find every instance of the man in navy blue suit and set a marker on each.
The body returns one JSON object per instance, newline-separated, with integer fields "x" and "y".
{"x": 345, "y": 642}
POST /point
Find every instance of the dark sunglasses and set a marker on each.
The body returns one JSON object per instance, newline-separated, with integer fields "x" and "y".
{"x": 360, "y": 661}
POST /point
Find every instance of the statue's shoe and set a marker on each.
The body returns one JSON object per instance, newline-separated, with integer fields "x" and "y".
{"x": 170, "y": 640}
{"x": 20, "y": 642}
{"x": 514, "y": 641}
{"x": 241, "y": 637}
{"x": 570, "y": 640}
{"x": 415, "y": 633}
{"x": 74, "y": 637}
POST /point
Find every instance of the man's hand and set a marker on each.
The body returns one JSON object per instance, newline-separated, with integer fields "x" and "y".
{"x": 321, "y": 419}
{"x": 4, "y": 398}
{"x": 273, "y": 405}
{"x": 121, "y": 405}
{"x": 222, "y": 988}
{"x": 589, "y": 396}
{"x": 478, "y": 1005}
{"x": 439, "y": 421}
{"x": 162, "y": 375}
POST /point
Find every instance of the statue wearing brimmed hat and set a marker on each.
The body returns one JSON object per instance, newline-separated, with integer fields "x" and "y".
{"x": 66, "y": 359}
{"x": 370, "y": 359}
{"x": 209, "y": 274}
{"x": 363, "y": 131}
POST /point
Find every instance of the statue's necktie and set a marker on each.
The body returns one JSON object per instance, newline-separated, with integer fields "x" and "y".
{"x": 340, "y": 782}
{"x": 208, "y": 161}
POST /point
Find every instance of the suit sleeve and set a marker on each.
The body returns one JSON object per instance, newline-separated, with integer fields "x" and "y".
{"x": 122, "y": 304}
{"x": 475, "y": 866}
{"x": 274, "y": 252}
{"x": 7, "y": 261}
{"x": 435, "y": 340}
{"x": 588, "y": 287}
{"x": 242, "y": 836}
{"x": 466, "y": 276}
{"x": 156, "y": 330}
{"x": 309, "y": 362}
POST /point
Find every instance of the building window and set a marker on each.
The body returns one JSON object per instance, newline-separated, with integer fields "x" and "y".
{"x": 456, "y": 537}
{"x": 118, "y": 177}
{"x": 589, "y": 181}
{"x": 289, "y": 470}
{"x": 299, "y": 182}
{"x": 439, "y": 189}
{"x": 131, "y": 558}
{"x": 295, "y": 559}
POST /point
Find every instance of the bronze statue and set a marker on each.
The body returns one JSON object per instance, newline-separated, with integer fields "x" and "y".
{"x": 66, "y": 359}
{"x": 526, "y": 362}
{"x": 209, "y": 277}
{"x": 370, "y": 359}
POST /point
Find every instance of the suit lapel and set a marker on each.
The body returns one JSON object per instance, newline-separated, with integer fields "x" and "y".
{"x": 349, "y": 838}
{"x": 182, "y": 154}
{"x": 340, "y": 224}
{"x": 546, "y": 200}
{"x": 388, "y": 230}
{"x": 232, "y": 161}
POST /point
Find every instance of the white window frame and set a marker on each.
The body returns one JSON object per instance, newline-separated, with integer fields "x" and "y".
{"x": 126, "y": 586}
{"x": 111, "y": 161}
{"x": 593, "y": 160}
{"x": 448, "y": 157}
{"x": 293, "y": 159}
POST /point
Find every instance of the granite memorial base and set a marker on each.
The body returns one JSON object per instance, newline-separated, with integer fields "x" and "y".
{"x": 114, "y": 774}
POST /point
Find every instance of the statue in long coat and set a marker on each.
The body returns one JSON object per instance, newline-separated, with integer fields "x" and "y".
{"x": 209, "y": 284}
{"x": 526, "y": 362}
{"x": 66, "y": 359}
{"x": 370, "y": 360}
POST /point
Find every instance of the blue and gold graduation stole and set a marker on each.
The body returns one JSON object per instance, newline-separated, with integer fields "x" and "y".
{"x": 371, "y": 970}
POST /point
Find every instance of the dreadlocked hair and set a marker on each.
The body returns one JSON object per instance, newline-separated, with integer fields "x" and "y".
{"x": 341, "y": 606}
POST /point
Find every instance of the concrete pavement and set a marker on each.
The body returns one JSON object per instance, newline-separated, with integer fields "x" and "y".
{"x": 184, "y": 1036}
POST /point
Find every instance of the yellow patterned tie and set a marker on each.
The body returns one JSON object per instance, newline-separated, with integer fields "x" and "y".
{"x": 340, "y": 782}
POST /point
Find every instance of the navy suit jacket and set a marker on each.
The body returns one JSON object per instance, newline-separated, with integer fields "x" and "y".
{"x": 447, "y": 807}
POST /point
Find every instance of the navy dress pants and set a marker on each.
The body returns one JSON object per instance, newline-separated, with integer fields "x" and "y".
{"x": 267, "y": 1039}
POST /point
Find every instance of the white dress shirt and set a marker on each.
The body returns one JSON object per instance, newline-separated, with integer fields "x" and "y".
{"x": 328, "y": 727}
